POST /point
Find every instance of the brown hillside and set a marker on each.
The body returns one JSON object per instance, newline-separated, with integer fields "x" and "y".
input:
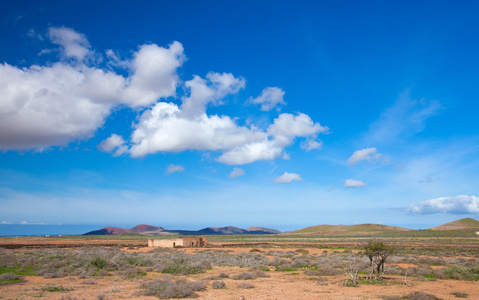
{"x": 462, "y": 224}
{"x": 349, "y": 229}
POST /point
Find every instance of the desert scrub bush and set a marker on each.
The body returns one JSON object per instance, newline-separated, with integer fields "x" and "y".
{"x": 9, "y": 278}
{"x": 431, "y": 261}
{"x": 55, "y": 288}
{"x": 420, "y": 296}
{"x": 244, "y": 276}
{"x": 218, "y": 285}
{"x": 285, "y": 268}
{"x": 223, "y": 275}
{"x": 169, "y": 288}
{"x": 310, "y": 272}
{"x": 245, "y": 285}
{"x": 182, "y": 267}
{"x": 130, "y": 273}
{"x": 419, "y": 271}
{"x": 302, "y": 251}
{"x": 278, "y": 261}
{"x": 98, "y": 262}
{"x": 460, "y": 295}
{"x": 462, "y": 273}
{"x": 302, "y": 262}
{"x": 328, "y": 271}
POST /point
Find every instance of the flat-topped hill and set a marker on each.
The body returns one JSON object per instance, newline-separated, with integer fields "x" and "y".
{"x": 462, "y": 224}
{"x": 349, "y": 229}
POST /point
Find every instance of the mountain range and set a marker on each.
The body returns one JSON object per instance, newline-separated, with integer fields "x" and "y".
{"x": 155, "y": 230}
{"x": 467, "y": 224}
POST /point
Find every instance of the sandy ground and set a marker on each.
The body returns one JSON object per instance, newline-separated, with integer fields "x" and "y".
{"x": 280, "y": 285}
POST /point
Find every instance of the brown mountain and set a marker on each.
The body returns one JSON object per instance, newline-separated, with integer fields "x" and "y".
{"x": 155, "y": 230}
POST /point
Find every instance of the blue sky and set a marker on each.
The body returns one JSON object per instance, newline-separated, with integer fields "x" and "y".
{"x": 187, "y": 114}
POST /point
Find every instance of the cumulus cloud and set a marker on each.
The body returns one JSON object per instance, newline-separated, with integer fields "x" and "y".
{"x": 363, "y": 154}
{"x": 210, "y": 90}
{"x": 115, "y": 144}
{"x": 288, "y": 178}
{"x": 462, "y": 204}
{"x": 353, "y": 183}
{"x": 174, "y": 168}
{"x": 237, "y": 172}
{"x": 169, "y": 128}
{"x": 280, "y": 134}
{"x": 270, "y": 98}
{"x": 44, "y": 106}
{"x": 54, "y": 104}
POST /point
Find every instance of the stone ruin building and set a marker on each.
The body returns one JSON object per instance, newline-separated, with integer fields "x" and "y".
{"x": 183, "y": 241}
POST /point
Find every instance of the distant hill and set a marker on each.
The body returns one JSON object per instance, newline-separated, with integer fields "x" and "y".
{"x": 349, "y": 229}
{"x": 155, "y": 230}
{"x": 462, "y": 224}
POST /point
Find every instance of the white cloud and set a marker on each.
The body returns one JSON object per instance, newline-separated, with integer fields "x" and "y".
{"x": 210, "y": 90}
{"x": 288, "y": 178}
{"x": 270, "y": 98}
{"x": 353, "y": 183}
{"x": 114, "y": 142}
{"x": 51, "y": 105}
{"x": 44, "y": 106}
{"x": 237, "y": 172}
{"x": 165, "y": 128}
{"x": 169, "y": 128}
{"x": 281, "y": 133}
{"x": 462, "y": 204}
{"x": 311, "y": 144}
{"x": 363, "y": 154}
{"x": 74, "y": 44}
{"x": 174, "y": 168}
{"x": 287, "y": 126}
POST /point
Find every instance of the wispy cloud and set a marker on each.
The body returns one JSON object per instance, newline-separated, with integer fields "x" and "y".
{"x": 353, "y": 183}
{"x": 237, "y": 172}
{"x": 288, "y": 178}
{"x": 174, "y": 168}
{"x": 369, "y": 154}
{"x": 405, "y": 118}
{"x": 462, "y": 204}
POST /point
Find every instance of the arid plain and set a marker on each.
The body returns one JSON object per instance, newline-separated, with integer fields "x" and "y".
{"x": 431, "y": 264}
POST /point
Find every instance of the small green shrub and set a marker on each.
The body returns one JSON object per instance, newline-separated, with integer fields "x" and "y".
{"x": 182, "y": 267}
{"x": 98, "y": 262}
{"x": 462, "y": 273}
{"x": 55, "y": 288}
{"x": 9, "y": 278}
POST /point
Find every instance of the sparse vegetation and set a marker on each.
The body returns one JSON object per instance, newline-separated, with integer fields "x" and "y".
{"x": 170, "y": 288}
{"x": 341, "y": 265}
